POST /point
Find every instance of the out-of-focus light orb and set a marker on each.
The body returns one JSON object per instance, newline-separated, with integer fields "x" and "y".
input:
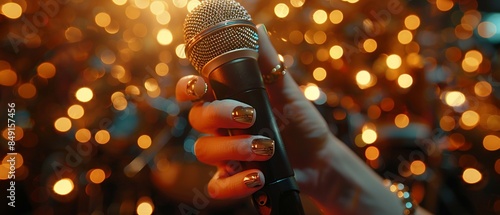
{"x": 336, "y": 52}
{"x": 393, "y": 61}
{"x": 132, "y": 12}
{"x": 63, "y": 187}
{"x": 405, "y": 37}
{"x": 369, "y": 136}
{"x": 119, "y": 101}
{"x": 8, "y": 77}
{"x": 12, "y": 10}
{"x": 192, "y": 4}
{"x": 417, "y": 167}
{"x": 491, "y": 142}
{"x": 405, "y": 81}
{"x": 319, "y": 37}
{"x": 401, "y": 120}
{"x": 297, "y": 3}
{"x": 108, "y": 57}
{"x": 83, "y": 135}
{"x": 120, "y": 2}
{"x": 102, "y": 137}
{"x": 472, "y": 60}
{"x": 73, "y": 34}
{"x": 76, "y": 111}
{"x": 46, "y": 70}
{"x": 471, "y": 176}
{"x": 412, "y": 22}
{"x": 351, "y": 1}
{"x": 281, "y": 10}
{"x": 62, "y": 124}
{"x": 336, "y": 16}
{"x": 102, "y": 19}
{"x": 444, "y": 5}
{"x": 144, "y": 208}
{"x": 144, "y": 141}
{"x": 447, "y": 123}
{"x": 161, "y": 69}
{"x": 141, "y": 4}
{"x": 180, "y": 3}
{"x": 363, "y": 77}
{"x": 164, "y": 37}
{"x": 454, "y": 98}
{"x": 370, "y": 45}
{"x": 493, "y": 122}
{"x": 312, "y": 92}
{"x": 320, "y": 16}
{"x": 486, "y": 29}
{"x": 372, "y": 153}
{"x": 387, "y": 104}
{"x": 157, "y": 7}
{"x": 97, "y": 176}
{"x": 151, "y": 84}
{"x": 84, "y": 94}
{"x": 374, "y": 112}
{"x": 163, "y": 18}
{"x": 497, "y": 166}
{"x": 179, "y": 51}
{"x": 26, "y": 90}
{"x": 470, "y": 118}
{"x": 483, "y": 89}
{"x": 319, "y": 74}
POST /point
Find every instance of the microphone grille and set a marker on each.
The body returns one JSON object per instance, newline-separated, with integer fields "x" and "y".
{"x": 205, "y": 16}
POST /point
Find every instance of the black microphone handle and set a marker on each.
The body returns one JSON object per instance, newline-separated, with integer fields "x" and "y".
{"x": 240, "y": 79}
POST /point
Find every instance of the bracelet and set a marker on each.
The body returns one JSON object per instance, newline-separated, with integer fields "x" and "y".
{"x": 402, "y": 192}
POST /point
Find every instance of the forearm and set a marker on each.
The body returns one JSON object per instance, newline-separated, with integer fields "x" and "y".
{"x": 343, "y": 184}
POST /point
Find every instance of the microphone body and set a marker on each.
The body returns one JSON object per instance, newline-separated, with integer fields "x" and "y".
{"x": 222, "y": 44}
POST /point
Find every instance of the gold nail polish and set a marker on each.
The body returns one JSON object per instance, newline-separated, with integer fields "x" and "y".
{"x": 252, "y": 180}
{"x": 263, "y": 146}
{"x": 243, "y": 114}
{"x": 194, "y": 90}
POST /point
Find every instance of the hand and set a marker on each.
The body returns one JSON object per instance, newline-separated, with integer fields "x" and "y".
{"x": 302, "y": 128}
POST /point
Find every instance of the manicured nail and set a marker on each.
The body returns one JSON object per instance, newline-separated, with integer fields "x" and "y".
{"x": 262, "y": 146}
{"x": 243, "y": 114}
{"x": 196, "y": 87}
{"x": 252, "y": 180}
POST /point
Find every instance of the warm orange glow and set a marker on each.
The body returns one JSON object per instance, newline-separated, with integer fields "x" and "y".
{"x": 405, "y": 36}
{"x": 483, "y": 89}
{"x": 102, "y": 19}
{"x": 8, "y": 77}
{"x": 369, "y": 136}
{"x": 281, "y": 10}
{"x": 27, "y": 90}
{"x": 370, "y": 45}
{"x": 102, "y": 137}
{"x": 401, "y": 120}
{"x": 12, "y": 10}
{"x": 470, "y": 118}
{"x": 444, "y": 5}
{"x": 336, "y": 16}
{"x": 372, "y": 153}
{"x": 63, "y": 186}
{"x": 417, "y": 167}
{"x": 447, "y": 123}
{"x": 84, "y": 94}
{"x": 491, "y": 142}
{"x": 97, "y": 176}
{"x": 393, "y": 61}
{"x": 319, "y": 74}
{"x": 412, "y": 22}
{"x": 454, "y": 98}
{"x": 76, "y": 111}
{"x": 405, "y": 81}
{"x": 62, "y": 124}
{"x": 144, "y": 141}
{"x": 320, "y": 16}
{"x": 336, "y": 52}
{"x": 312, "y": 92}
{"x": 46, "y": 70}
{"x": 471, "y": 176}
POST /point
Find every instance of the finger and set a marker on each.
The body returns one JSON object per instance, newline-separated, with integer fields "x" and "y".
{"x": 268, "y": 57}
{"x": 212, "y": 150}
{"x": 192, "y": 88}
{"x": 238, "y": 185}
{"x": 211, "y": 116}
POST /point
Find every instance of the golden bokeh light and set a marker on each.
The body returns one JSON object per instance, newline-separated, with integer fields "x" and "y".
{"x": 370, "y": 45}
{"x": 297, "y": 3}
{"x": 97, "y": 176}
{"x": 393, "y": 61}
{"x": 102, "y": 137}
{"x": 73, "y": 34}
{"x": 487, "y": 29}
{"x": 387, "y": 104}
{"x": 469, "y": 118}
{"x": 144, "y": 208}
{"x": 447, "y": 123}
{"x": 491, "y": 142}
{"x": 281, "y": 10}
{"x": 157, "y": 7}
{"x": 417, "y": 167}
{"x": 76, "y": 111}
{"x": 62, "y": 124}
{"x": 320, "y": 16}
{"x": 374, "y": 112}
{"x": 319, "y": 74}
{"x": 119, "y": 2}
{"x": 26, "y": 90}
{"x": 8, "y": 77}
{"x": 102, "y": 19}
{"x": 161, "y": 69}
{"x": 454, "y": 98}
{"x": 163, "y": 18}
{"x": 12, "y": 10}
{"x": 483, "y": 89}
{"x": 471, "y": 176}
{"x": 444, "y": 5}
{"x": 144, "y": 141}
{"x": 336, "y": 16}
{"x": 179, "y": 51}
{"x": 63, "y": 186}
{"x": 401, "y": 120}
{"x": 372, "y": 153}
{"x": 412, "y": 22}
{"x": 336, "y": 52}
{"x": 363, "y": 78}
{"x": 405, "y": 37}
{"x": 83, "y": 135}
{"x": 405, "y": 81}
{"x": 312, "y": 92}
{"x": 17, "y": 157}
{"x": 141, "y": 4}
{"x": 319, "y": 37}
{"x": 84, "y": 94}
{"x": 46, "y": 70}
{"x": 164, "y": 37}
{"x": 369, "y": 136}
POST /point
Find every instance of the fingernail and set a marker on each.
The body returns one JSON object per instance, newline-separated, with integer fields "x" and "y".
{"x": 262, "y": 146}
{"x": 252, "y": 180}
{"x": 243, "y": 114}
{"x": 196, "y": 87}
{"x": 264, "y": 28}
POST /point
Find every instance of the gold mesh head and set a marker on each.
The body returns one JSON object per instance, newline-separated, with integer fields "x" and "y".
{"x": 205, "y": 17}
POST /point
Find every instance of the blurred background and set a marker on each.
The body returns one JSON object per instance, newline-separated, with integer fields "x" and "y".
{"x": 411, "y": 86}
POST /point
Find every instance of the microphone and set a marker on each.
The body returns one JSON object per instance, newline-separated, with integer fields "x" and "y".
{"x": 222, "y": 44}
